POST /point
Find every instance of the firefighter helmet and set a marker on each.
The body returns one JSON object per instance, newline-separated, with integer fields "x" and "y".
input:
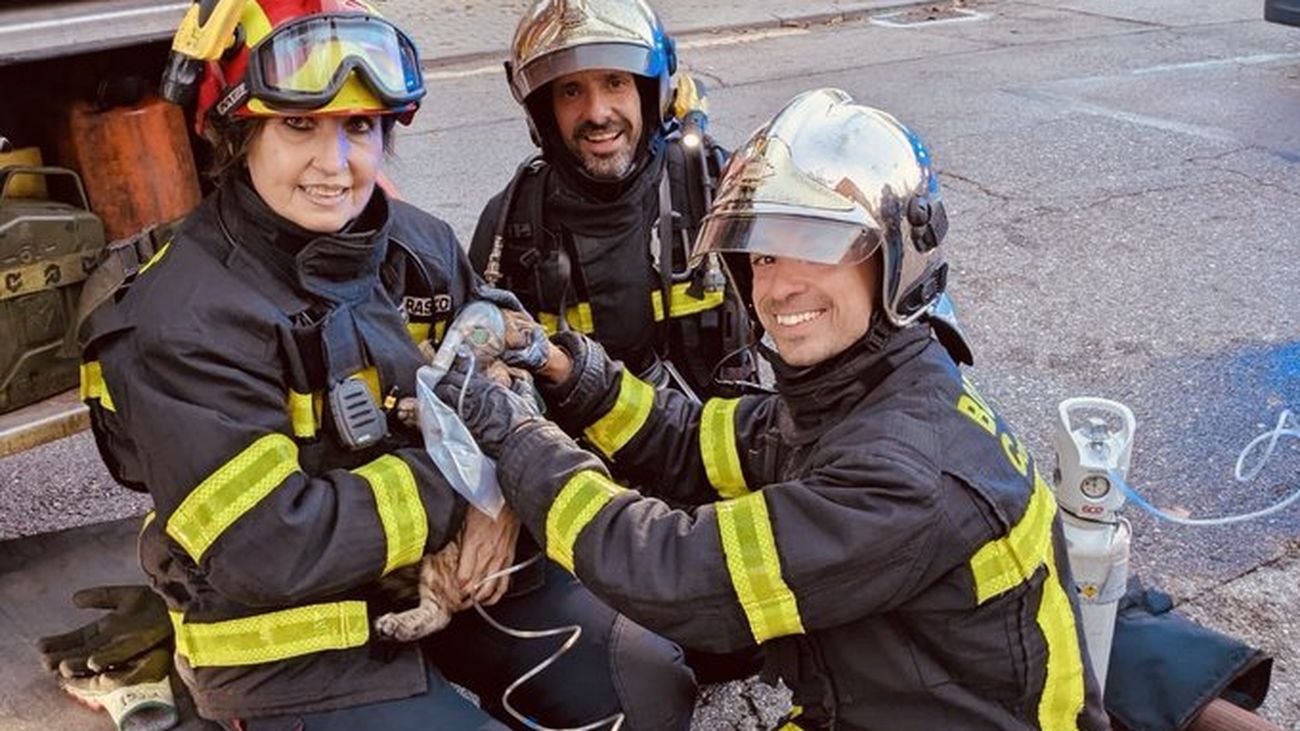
{"x": 290, "y": 57}
{"x": 831, "y": 181}
{"x": 560, "y": 37}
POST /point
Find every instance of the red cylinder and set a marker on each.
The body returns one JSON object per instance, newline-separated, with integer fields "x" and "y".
{"x": 135, "y": 161}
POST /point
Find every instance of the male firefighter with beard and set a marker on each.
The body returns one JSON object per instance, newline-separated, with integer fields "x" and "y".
{"x": 594, "y": 234}
{"x": 875, "y": 526}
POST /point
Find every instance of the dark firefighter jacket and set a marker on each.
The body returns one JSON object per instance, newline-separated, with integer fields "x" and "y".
{"x": 206, "y": 380}
{"x": 876, "y": 527}
{"x": 594, "y": 259}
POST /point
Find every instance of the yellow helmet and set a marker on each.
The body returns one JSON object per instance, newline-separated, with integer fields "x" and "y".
{"x": 313, "y": 57}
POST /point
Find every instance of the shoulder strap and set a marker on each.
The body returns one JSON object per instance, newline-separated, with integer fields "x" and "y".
{"x": 122, "y": 260}
{"x": 492, "y": 272}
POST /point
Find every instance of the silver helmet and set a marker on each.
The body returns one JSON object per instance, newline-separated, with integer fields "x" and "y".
{"x": 560, "y": 37}
{"x": 831, "y": 181}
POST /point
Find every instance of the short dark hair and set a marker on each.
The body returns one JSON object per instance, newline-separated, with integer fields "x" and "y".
{"x": 230, "y": 139}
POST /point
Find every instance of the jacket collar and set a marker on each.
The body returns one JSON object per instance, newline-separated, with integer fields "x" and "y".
{"x": 613, "y": 211}
{"x": 339, "y": 267}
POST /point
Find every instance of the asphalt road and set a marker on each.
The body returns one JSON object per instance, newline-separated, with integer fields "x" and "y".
{"x": 1122, "y": 185}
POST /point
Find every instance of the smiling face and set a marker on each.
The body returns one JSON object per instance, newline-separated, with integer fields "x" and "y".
{"x": 598, "y": 115}
{"x": 813, "y": 311}
{"x": 317, "y": 171}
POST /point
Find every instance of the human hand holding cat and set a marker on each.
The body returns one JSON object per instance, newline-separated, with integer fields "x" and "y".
{"x": 486, "y": 546}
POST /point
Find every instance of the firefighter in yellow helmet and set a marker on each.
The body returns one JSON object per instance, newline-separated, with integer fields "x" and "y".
{"x": 875, "y": 526}
{"x": 241, "y": 379}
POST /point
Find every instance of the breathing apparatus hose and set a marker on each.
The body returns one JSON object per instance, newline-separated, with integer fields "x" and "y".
{"x": 611, "y": 723}
{"x": 1287, "y": 426}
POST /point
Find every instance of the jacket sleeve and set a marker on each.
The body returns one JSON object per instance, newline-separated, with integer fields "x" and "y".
{"x": 849, "y": 539}
{"x": 209, "y": 415}
{"x": 659, "y": 439}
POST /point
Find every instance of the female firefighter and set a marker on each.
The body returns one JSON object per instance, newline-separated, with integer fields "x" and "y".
{"x": 240, "y": 381}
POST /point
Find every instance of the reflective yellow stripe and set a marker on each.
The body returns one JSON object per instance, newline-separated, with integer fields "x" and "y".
{"x": 578, "y": 316}
{"x": 625, "y": 418}
{"x": 371, "y": 378}
{"x": 439, "y": 329}
{"x": 302, "y": 415}
{"x": 231, "y": 491}
{"x": 397, "y": 497}
{"x": 579, "y": 501}
{"x": 718, "y": 447}
{"x": 273, "y": 636}
{"x": 792, "y": 720}
{"x": 750, "y": 547}
{"x": 157, "y": 257}
{"x": 1007, "y": 562}
{"x": 1062, "y": 699}
{"x": 419, "y": 331}
{"x": 681, "y": 303}
{"x": 305, "y": 409}
{"x": 93, "y": 386}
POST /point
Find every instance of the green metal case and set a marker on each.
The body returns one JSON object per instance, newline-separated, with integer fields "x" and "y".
{"x": 47, "y": 248}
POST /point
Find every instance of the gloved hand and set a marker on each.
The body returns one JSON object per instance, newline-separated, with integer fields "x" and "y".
{"x": 118, "y": 663}
{"x": 502, "y": 298}
{"x": 572, "y": 354}
{"x": 491, "y": 411}
{"x": 525, "y": 344}
{"x": 136, "y": 623}
{"x": 136, "y": 693}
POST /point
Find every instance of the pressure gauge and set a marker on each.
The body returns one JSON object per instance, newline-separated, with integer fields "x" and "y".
{"x": 1095, "y": 486}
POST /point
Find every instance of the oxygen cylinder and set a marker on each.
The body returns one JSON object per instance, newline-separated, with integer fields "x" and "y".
{"x": 136, "y": 163}
{"x": 1093, "y": 440}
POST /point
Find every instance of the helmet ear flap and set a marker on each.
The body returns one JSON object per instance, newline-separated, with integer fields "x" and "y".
{"x": 741, "y": 275}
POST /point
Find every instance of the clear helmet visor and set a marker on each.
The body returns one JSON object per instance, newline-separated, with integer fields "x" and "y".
{"x": 307, "y": 62}
{"x": 816, "y": 240}
{"x": 634, "y": 59}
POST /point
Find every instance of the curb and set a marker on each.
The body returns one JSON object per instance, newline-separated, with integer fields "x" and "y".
{"x": 851, "y": 11}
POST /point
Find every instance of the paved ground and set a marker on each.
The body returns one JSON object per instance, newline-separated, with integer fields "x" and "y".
{"x": 1122, "y": 181}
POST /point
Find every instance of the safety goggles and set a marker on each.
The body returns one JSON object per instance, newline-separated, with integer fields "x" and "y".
{"x": 303, "y": 65}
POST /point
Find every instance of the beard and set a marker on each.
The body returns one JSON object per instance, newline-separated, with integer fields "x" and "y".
{"x": 610, "y": 166}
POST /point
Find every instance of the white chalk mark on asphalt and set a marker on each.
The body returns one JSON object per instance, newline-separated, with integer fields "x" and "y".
{"x": 446, "y": 74}
{"x": 736, "y": 38}
{"x": 1255, "y": 60}
{"x": 1216, "y": 134}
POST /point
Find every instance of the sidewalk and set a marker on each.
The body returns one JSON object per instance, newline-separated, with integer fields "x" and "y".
{"x": 466, "y": 31}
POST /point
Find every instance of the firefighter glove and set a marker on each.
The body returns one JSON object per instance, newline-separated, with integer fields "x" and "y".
{"x": 136, "y": 693}
{"x": 136, "y": 623}
{"x": 491, "y": 411}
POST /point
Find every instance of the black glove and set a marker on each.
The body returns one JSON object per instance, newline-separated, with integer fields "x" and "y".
{"x": 503, "y": 298}
{"x": 525, "y": 344}
{"x": 136, "y": 623}
{"x": 491, "y": 411}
